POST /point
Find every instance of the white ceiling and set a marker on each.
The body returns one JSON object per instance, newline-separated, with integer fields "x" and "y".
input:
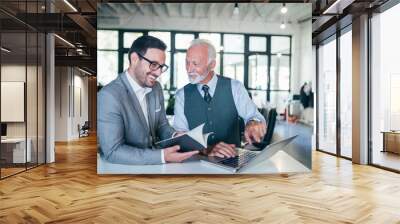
{"x": 252, "y": 12}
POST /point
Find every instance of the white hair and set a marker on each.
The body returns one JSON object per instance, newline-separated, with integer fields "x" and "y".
{"x": 211, "y": 49}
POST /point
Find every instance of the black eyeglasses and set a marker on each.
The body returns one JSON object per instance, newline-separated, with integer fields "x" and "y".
{"x": 153, "y": 65}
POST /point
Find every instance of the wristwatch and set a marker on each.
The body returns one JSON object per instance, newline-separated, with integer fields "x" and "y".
{"x": 253, "y": 119}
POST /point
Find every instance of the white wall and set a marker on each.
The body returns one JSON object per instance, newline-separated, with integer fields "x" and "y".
{"x": 61, "y": 103}
{"x": 34, "y": 125}
{"x": 16, "y": 73}
{"x": 303, "y": 69}
{"x": 69, "y": 82}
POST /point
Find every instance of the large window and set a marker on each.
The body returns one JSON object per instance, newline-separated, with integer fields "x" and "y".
{"x": 346, "y": 94}
{"x": 233, "y": 60}
{"x": 385, "y": 89}
{"x": 263, "y": 65}
{"x": 280, "y": 72}
{"x": 334, "y": 130}
{"x": 182, "y": 42}
{"x": 327, "y": 97}
{"x": 258, "y": 79}
{"x": 107, "y": 55}
{"x": 234, "y": 66}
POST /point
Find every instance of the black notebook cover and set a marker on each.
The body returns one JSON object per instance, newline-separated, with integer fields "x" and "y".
{"x": 184, "y": 141}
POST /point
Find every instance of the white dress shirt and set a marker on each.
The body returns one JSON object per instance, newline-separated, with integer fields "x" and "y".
{"x": 140, "y": 93}
{"x": 245, "y": 107}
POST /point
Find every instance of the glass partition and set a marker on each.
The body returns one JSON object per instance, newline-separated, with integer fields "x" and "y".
{"x": 23, "y": 89}
{"x": 15, "y": 150}
{"x": 346, "y": 94}
{"x": 327, "y": 97}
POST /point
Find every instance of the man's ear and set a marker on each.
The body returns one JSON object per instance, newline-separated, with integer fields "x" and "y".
{"x": 134, "y": 58}
{"x": 212, "y": 64}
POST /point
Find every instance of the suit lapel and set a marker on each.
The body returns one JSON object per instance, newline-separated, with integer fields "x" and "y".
{"x": 134, "y": 100}
{"x": 151, "y": 110}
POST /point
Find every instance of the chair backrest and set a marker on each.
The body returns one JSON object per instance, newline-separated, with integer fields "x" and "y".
{"x": 86, "y": 125}
{"x": 270, "y": 129}
{"x": 242, "y": 126}
{"x": 270, "y": 126}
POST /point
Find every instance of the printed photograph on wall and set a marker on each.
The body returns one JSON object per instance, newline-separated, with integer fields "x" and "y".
{"x": 204, "y": 88}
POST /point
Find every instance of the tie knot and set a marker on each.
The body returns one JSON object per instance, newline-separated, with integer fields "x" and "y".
{"x": 205, "y": 88}
{"x": 207, "y": 96}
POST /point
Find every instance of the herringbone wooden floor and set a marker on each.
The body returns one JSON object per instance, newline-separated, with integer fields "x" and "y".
{"x": 70, "y": 191}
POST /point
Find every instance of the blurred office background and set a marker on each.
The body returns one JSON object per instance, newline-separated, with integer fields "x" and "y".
{"x": 269, "y": 51}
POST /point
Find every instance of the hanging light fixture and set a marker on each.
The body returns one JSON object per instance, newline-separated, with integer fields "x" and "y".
{"x": 65, "y": 41}
{"x": 236, "y": 9}
{"x": 70, "y": 5}
{"x": 5, "y": 50}
{"x": 284, "y": 9}
{"x": 283, "y": 25}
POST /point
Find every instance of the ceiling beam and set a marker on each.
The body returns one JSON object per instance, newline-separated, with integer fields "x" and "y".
{"x": 109, "y": 7}
{"x": 91, "y": 5}
{"x": 84, "y": 24}
{"x": 167, "y": 8}
{"x": 195, "y": 6}
{"x": 224, "y": 7}
{"x": 181, "y": 9}
{"x": 140, "y": 8}
{"x": 154, "y": 9}
{"x": 84, "y": 61}
{"x": 128, "y": 9}
{"x": 257, "y": 7}
{"x": 249, "y": 12}
{"x": 210, "y": 8}
{"x": 268, "y": 11}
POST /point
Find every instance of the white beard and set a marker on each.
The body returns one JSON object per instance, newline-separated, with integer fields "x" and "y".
{"x": 198, "y": 78}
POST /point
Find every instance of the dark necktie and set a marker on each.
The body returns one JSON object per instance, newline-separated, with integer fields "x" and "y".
{"x": 207, "y": 96}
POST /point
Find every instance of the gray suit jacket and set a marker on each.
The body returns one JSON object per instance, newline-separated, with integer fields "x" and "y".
{"x": 122, "y": 131}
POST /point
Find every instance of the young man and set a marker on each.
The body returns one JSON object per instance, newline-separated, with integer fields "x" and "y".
{"x": 131, "y": 114}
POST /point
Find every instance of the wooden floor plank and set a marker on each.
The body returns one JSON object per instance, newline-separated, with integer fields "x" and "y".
{"x": 70, "y": 191}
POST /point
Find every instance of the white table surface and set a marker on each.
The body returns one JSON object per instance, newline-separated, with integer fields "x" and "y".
{"x": 13, "y": 140}
{"x": 281, "y": 162}
{"x": 19, "y": 151}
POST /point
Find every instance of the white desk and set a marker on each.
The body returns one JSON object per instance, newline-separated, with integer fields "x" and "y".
{"x": 18, "y": 153}
{"x": 281, "y": 162}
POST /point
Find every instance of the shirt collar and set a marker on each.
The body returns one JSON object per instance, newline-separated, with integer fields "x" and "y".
{"x": 135, "y": 86}
{"x": 212, "y": 84}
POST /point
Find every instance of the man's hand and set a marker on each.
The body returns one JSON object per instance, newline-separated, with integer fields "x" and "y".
{"x": 223, "y": 150}
{"x": 254, "y": 132}
{"x": 171, "y": 154}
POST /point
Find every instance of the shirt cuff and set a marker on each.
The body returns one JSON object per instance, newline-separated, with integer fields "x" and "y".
{"x": 253, "y": 119}
{"x": 162, "y": 156}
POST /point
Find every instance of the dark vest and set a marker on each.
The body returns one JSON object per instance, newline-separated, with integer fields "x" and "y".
{"x": 220, "y": 116}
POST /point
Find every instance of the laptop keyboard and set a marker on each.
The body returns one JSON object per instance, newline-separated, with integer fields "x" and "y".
{"x": 237, "y": 161}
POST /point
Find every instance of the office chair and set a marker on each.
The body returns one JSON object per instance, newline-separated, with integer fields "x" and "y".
{"x": 270, "y": 130}
{"x": 84, "y": 130}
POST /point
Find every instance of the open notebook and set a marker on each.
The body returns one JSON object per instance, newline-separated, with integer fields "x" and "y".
{"x": 191, "y": 140}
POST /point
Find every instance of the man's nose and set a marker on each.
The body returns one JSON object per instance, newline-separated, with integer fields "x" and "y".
{"x": 190, "y": 68}
{"x": 157, "y": 72}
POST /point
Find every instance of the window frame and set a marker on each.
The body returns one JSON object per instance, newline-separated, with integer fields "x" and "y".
{"x": 246, "y": 53}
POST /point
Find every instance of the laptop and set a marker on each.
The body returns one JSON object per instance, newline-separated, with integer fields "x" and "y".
{"x": 245, "y": 157}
